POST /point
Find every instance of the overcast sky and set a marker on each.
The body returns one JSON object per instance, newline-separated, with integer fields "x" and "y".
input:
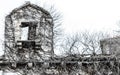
{"x": 78, "y": 15}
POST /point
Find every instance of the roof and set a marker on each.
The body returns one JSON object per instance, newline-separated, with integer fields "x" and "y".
{"x": 31, "y": 5}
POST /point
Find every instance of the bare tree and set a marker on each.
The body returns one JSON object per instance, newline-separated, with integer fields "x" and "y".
{"x": 90, "y": 42}
{"x": 57, "y": 23}
{"x": 70, "y": 45}
{"x": 83, "y": 43}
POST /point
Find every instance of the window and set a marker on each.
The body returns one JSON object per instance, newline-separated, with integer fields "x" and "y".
{"x": 24, "y": 33}
{"x": 28, "y": 30}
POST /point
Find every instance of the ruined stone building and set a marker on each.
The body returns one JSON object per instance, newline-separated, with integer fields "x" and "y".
{"x": 28, "y": 33}
{"x": 29, "y": 48}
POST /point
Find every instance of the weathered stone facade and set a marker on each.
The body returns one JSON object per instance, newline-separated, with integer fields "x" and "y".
{"x": 25, "y": 26}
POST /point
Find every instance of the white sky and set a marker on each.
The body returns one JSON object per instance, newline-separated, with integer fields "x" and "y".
{"x": 78, "y": 15}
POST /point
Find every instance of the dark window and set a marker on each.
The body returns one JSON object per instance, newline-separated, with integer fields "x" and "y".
{"x": 31, "y": 29}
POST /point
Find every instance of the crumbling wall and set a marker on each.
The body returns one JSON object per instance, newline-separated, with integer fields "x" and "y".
{"x": 43, "y": 34}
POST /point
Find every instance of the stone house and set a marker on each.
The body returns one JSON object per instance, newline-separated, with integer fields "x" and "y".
{"x": 28, "y": 33}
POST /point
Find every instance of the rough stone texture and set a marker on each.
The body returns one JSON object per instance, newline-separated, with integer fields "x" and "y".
{"x": 42, "y": 34}
{"x": 111, "y": 46}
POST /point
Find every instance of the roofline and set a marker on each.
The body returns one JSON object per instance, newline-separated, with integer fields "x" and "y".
{"x": 32, "y": 5}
